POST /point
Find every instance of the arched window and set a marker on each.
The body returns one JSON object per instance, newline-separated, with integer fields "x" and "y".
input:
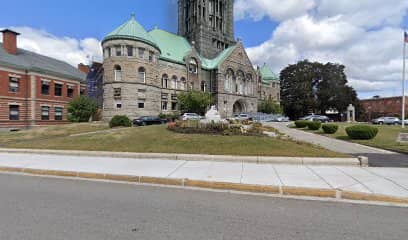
{"x": 118, "y": 73}
{"x": 249, "y": 85}
{"x": 183, "y": 83}
{"x": 203, "y": 86}
{"x": 165, "y": 80}
{"x": 239, "y": 85}
{"x": 228, "y": 80}
{"x": 193, "y": 66}
{"x": 174, "y": 82}
{"x": 142, "y": 75}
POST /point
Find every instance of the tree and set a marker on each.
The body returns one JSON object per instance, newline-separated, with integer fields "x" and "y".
{"x": 195, "y": 101}
{"x": 81, "y": 109}
{"x": 315, "y": 87}
{"x": 269, "y": 106}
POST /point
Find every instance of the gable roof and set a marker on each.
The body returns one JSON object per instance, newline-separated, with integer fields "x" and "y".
{"x": 131, "y": 30}
{"x": 267, "y": 74}
{"x": 214, "y": 63}
{"x": 173, "y": 47}
{"x": 26, "y": 60}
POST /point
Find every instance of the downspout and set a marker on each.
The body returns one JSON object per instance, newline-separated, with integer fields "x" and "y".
{"x": 26, "y": 99}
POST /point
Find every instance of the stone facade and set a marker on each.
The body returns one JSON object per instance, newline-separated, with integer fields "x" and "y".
{"x": 210, "y": 24}
{"x": 172, "y": 64}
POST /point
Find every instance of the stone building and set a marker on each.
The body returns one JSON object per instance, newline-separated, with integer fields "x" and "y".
{"x": 144, "y": 71}
{"x": 34, "y": 89}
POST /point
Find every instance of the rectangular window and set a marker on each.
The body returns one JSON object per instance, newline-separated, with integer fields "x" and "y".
{"x": 118, "y": 105}
{"x": 14, "y": 112}
{"x": 70, "y": 91}
{"x": 118, "y": 50}
{"x": 14, "y": 84}
{"x": 45, "y": 113}
{"x": 117, "y": 93}
{"x": 129, "y": 51}
{"x": 58, "y": 113}
{"x": 173, "y": 106}
{"x": 45, "y": 88}
{"x": 164, "y": 106}
{"x": 58, "y": 90}
{"x": 141, "y": 104}
{"x": 164, "y": 96}
{"x": 151, "y": 56}
{"x": 141, "y": 53}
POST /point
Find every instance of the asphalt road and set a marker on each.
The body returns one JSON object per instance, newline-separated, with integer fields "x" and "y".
{"x": 53, "y": 209}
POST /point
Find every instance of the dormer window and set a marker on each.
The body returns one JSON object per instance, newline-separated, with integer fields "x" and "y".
{"x": 193, "y": 66}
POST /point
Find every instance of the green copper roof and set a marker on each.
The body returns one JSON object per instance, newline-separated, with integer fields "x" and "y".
{"x": 173, "y": 47}
{"x": 214, "y": 63}
{"x": 131, "y": 30}
{"x": 267, "y": 74}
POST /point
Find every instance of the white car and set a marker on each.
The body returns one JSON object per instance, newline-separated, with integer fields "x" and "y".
{"x": 190, "y": 116}
{"x": 241, "y": 117}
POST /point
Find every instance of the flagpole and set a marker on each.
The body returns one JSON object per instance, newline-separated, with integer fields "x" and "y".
{"x": 403, "y": 80}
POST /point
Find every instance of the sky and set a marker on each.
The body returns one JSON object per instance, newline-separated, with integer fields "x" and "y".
{"x": 364, "y": 35}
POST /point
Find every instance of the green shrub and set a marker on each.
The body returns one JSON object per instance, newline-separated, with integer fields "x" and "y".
{"x": 362, "y": 132}
{"x": 301, "y": 123}
{"x": 314, "y": 125}
{"x": 81, "y": 109}
{"x": 330, "y": 128}
{"x": 120, "y": 121}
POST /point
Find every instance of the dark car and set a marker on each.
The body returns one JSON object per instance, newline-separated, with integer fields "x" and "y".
{"x": 316, "y": 118}
{"x": 144, "y": 121}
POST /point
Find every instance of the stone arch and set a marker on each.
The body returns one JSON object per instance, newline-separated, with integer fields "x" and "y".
{"x": 239, "y": 106}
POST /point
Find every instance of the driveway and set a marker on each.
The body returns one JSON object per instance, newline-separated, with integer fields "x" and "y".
{"x": 376, "y": 157}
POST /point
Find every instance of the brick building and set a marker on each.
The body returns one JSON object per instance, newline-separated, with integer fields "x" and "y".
{"x": 379, "y": 107}
{"x": 144, "y": 71}
{"x": 34, "y": 89}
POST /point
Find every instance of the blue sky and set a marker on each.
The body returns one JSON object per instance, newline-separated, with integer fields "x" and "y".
{"x": 365, "y": 35}
{"x": 81, "y": 19}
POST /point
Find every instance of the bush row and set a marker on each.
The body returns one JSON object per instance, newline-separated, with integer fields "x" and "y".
{"x": 120, "y": 121}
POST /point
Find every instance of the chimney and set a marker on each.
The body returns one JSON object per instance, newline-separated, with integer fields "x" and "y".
{"x": 10, "y": 41}
{"x": 83, "y": 68}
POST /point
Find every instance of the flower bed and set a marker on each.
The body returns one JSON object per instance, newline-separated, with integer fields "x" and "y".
{"x": 216, "y": 128}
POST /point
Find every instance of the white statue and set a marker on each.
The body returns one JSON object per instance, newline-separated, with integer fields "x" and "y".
{"x": 213, "y": 115}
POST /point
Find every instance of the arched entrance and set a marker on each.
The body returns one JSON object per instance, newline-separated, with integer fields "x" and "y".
{"x": 238, "y": 107}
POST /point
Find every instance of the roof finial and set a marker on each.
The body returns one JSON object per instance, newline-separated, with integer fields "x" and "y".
{"x": 133, "y": 15}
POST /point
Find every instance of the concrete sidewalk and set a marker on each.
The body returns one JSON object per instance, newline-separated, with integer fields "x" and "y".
{"x": 326, "y": 142}
{"x": 376, "y": 184}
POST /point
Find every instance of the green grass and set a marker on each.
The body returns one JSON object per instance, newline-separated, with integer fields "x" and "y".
{"x": 387, "y": 137}
{"x": 158, "y": 139}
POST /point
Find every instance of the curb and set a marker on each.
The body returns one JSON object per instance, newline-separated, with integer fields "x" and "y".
{"x": 277, "y": 190}
{"x": 201, "y": 157}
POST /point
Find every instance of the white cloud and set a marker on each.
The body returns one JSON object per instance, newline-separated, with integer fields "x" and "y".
{"x": 67, "y": 49}
{"x": 274, "y": 9}
{"x": 364, "y": 35}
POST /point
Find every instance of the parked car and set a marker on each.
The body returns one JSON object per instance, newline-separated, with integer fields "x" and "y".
{"x": 190, "y": 116}
{"x": 280, "y": 118}
{"x": 148, "y": 120}
{"x": 386, "y": 120}
{"x": 316, "y": 118}
{"x": 241, "y": 117}
{"x": 405, "y": 121}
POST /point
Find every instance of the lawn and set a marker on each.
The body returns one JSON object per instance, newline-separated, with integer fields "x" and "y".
{"x": 158, "y": 139}
{"x": 386, "y": 139}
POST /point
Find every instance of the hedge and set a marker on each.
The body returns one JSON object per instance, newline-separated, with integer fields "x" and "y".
{"x": 330, "y": 128}
{"x": 362, "y": 132}
{"x": 314, "y": 125}
{"x": 120, "y": 121}
{"x": 301, "y": 123}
